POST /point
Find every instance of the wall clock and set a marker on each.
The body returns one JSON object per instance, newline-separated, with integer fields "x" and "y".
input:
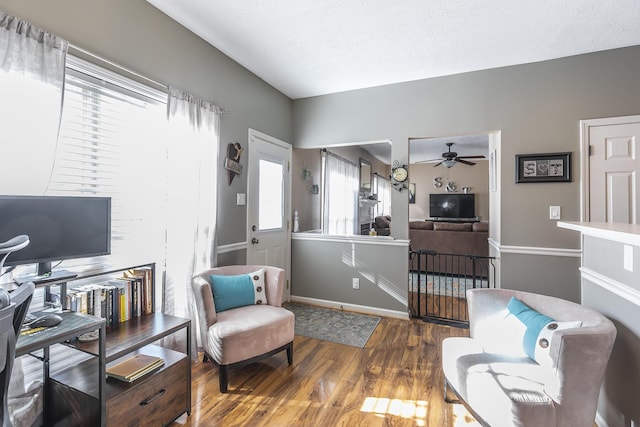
{"x": 399, "y": 172}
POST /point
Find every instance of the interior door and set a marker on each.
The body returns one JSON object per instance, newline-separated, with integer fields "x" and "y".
{"x": 269, "y": 202}
{"x": 613, "y": 170}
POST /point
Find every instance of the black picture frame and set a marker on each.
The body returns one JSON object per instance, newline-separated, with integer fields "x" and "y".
{"x": 548, "y": 167}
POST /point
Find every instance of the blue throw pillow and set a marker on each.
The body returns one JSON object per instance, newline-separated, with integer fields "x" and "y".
{"x": 532, "y": 320}
{"x": 238, "y": 291}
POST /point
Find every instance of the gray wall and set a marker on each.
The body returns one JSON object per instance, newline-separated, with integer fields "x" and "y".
{"x": 382, "y": 270}
{"x": 618, "y": 405}
{"x": 137, "y": 36}
{"x": 536, "y": 107}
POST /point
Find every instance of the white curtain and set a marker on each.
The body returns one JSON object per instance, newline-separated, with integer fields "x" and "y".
{"x": 340, "y": 191}
{"x": 384, "y": 195}
{"x": 31, "y": 81}
{"x": 191, "y": 199}
{"x": 32, "y": 65}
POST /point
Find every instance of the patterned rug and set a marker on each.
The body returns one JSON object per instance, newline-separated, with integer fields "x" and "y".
{"x": 333, "y": 325}
{"x": 444, "y": 285}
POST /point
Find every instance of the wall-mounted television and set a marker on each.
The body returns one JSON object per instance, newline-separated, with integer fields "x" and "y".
{"x": 59, "y": 228}
{"x": 452, "y": 206}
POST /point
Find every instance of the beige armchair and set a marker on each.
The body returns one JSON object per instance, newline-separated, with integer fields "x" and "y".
{"x": 501, "y": 387}
{"x": 246, "y": 334}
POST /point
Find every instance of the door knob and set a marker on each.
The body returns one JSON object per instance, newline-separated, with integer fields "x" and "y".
{"x": 255, "y": 241}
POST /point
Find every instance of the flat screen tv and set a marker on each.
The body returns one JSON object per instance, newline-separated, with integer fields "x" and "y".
{"x": 59, "y": 228}
{"x": 452, "y": 206}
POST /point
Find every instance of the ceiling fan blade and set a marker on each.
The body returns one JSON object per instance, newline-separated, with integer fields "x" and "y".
{"x": 437, "y": 164}
{"x": 471, "y": 157}
{"x": 428, "y": 161}
{"x": 466, "y": 162}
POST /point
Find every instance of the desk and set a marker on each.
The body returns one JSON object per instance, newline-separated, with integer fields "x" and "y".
{"x": 72, "y": 325}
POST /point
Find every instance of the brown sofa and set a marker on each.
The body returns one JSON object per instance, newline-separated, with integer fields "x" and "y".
{"x": 451, "y": 238}
{"x": 382, "y": 225}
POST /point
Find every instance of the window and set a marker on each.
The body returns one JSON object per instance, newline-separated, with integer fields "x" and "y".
{"x": 340, "y": 195}
{"x": 111, "y": 144}
{"x": 271, "y": 195}
{"x": 383, "y": 190}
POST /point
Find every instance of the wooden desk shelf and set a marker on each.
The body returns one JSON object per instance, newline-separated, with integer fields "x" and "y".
{"x": 82, "y": 395}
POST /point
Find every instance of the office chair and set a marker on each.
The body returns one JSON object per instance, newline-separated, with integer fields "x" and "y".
{"x": 7, "y": 352}
{"x": 12, "y": 245}
{"x": 13, "y": 309}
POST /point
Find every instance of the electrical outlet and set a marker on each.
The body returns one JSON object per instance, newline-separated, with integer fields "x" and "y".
{"x": 356, "y": 283}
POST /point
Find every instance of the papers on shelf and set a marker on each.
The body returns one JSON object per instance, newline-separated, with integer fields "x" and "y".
{"x": 134, "y": 367}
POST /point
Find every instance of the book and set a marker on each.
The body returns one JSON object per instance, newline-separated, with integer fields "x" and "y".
{"x": 145, "y": 300}
{"x": 134, "y": 367}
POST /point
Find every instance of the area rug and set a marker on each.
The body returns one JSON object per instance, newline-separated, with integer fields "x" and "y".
{"x": 333, "y": 325}
{"x": 444, "y": 285}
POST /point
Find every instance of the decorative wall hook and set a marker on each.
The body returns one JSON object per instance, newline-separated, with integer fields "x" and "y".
{"x": 232, "y": 162}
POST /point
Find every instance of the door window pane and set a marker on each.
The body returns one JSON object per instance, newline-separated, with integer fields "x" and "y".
{"x": 270, "y": 195}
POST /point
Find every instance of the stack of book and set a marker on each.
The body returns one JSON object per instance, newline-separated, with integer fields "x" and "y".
{"x": 116, "y": 300}
{"x": 134, "y": 367}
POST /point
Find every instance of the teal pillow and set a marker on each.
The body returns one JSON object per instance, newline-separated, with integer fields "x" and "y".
{"x": 532, "y": 320}
{"x": 238, "y": 291}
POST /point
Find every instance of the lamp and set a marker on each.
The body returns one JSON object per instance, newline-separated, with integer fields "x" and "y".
{"x": 449, "y": 163}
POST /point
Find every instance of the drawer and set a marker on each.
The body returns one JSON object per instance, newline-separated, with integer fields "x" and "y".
{"x": 154, "y": 401}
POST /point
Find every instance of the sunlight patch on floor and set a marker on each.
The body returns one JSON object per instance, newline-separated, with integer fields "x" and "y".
{"x": 462, "y": 418}
{"x": 410, "y": 409}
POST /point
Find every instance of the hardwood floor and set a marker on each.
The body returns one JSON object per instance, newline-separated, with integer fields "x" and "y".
{"x": 395, "y": 381}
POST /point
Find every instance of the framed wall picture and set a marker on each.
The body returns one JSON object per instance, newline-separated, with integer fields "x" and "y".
{"x": 412, "y": 193}
{"x": 550, "y": 167}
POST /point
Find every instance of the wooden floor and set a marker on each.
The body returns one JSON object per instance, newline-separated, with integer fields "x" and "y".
{"x": 395, "y": 381}
{"x": 442, "y": 306}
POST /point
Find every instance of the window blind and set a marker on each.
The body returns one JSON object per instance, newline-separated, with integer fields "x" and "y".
{"x": 111, "y": 144}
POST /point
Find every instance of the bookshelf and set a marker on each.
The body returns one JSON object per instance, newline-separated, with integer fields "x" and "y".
{"x": 83, "y": 395}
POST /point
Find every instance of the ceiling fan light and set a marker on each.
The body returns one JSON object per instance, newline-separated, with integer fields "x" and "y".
{"x": 449, "y": 163}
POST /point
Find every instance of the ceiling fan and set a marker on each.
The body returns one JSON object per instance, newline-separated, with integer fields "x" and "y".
{"x": 450, "y": 158}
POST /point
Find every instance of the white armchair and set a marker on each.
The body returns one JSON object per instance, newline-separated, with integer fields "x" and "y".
{"x": 501, "y": 387}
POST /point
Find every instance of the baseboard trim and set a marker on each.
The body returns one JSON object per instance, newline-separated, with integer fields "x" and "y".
{"x": 352, "y": 307}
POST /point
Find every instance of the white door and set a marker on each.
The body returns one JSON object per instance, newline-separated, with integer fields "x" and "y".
{"x": 269, "y": 202}
{"x": 613, "y": 169}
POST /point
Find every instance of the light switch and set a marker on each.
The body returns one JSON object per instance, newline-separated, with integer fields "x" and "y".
{"x": 628, "y": 257}
{"x": 554, "y": 212}
{"x": 241, "y": 199}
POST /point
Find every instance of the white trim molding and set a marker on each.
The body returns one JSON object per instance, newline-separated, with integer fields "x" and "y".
{"x": 624, "y": 291}
{"x": 618, "y": 232}
{"x": 364, "y": 240}
{"x": 232, "y": 247}
{"x": 352, "y": 307}
{"x": 534, "y": 250}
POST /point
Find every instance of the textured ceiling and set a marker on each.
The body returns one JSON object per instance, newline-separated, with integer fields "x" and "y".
{"x": 312, "y": 47}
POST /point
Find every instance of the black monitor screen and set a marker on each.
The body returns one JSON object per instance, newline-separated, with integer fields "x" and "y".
{"x": 452, "y": 205}
{"x": 59, "y": 228}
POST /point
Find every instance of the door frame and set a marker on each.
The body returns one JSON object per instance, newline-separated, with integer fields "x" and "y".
{"x": 253, "y": 134}
{"x": 585, "y": 125}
